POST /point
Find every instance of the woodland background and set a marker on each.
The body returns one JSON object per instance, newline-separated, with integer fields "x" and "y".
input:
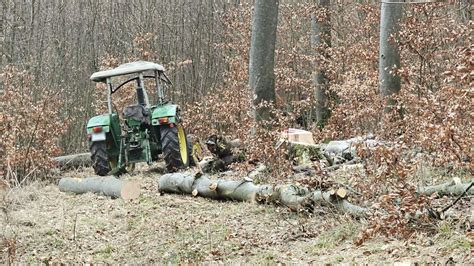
{"x": 50, "y": 48}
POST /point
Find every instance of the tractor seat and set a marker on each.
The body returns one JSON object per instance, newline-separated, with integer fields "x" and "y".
{"x": 137, "y": 112}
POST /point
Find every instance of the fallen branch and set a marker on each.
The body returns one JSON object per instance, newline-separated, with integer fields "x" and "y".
{"x": 106, "y": 185}
{"x": 74, "y": 160}
{"x": 456, "y": 201}
{"x": 294, "y": 197}
{"x": 452, "y": 188}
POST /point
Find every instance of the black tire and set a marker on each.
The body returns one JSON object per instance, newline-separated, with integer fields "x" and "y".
{"x": 100, "y": 160}
{"x": 170, "y": 146}
{"x": 190, "y": 152}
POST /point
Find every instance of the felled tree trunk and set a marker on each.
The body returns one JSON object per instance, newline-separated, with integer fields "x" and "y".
{"x": 452, "y": 188}
{"x": 74, "y": 160}
{"x": 214, "y": 189}
{"x": 293, "y": 197}
{"x": 106, "y": 185}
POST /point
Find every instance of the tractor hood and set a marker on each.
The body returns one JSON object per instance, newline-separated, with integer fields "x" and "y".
{"x": 128, "y": 68}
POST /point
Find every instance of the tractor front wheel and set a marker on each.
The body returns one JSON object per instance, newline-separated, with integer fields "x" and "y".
{"x": 100, "y": 160}
{"x": 174, "y": 146}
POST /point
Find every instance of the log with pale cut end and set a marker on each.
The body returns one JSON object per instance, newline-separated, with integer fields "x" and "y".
{"x": 214, "y": 189}
{"x": 106, "y": 185}
{"x": 74, "y": 160}
{"x": 294, "y": 197}
{"x": 452, "y": 188}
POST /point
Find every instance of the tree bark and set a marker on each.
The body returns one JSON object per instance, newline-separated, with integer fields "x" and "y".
{"x": 452, "y": 188}
{"x": 465, "y": 10}
{"x": 389, "y": 56}
{"x": 321, "y": 40}
{"x": 74, "y": 160}
{"x": 106, "y": 185}
{"x": 292, "y": 196}
{"x": 262, "y": 56}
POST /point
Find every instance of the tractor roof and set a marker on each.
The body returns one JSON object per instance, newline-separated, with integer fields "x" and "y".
{"x": 124, "y": 69}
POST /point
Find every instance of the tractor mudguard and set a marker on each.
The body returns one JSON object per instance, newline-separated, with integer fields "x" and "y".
{"x": 108, "y": 123}
{"x": 168, "y": 111}
{"x": 99, "y": 121}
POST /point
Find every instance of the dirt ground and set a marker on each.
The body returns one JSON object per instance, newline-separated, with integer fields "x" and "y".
{"x": 41, "y": 224}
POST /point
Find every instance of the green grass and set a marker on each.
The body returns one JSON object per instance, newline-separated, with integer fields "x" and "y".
{"x": 334, "y": 236}
{"x": 106, "y": 252}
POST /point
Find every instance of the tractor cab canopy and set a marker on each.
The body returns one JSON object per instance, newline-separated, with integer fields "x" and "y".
{"x": 138, "y": 68}
{"x": 129, "y": 68}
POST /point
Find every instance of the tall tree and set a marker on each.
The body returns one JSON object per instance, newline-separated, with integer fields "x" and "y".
{"x": 321, "y": 40}
{"x": 389, "y": 56}
{"x": 262, "y": 55}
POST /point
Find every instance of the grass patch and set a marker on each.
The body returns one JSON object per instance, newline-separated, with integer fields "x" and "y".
{"x": 106, "y": 252}
{"x": 333, "y": 237}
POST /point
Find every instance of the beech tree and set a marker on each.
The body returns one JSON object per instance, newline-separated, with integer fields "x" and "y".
{"x": 321, "y": 39}
{"x": 389, "y": 56}
{"x": 262, "y": 56}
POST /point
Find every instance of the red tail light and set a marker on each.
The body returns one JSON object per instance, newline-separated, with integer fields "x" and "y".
{"x": 97, "y": 129}
{"x": 163, "y": 120}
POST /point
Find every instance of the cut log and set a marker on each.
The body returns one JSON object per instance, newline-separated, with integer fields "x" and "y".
{"x": 294, "y": 197}
{"x": 74, "y": 160}
{"x": 347, "y": 148}
{"x": 106, "y": 185}
{"x": 452, "y": 188}
{"x": 214, "y": 189}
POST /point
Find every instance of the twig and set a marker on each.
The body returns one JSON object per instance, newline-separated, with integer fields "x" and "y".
{"x": 462, "y": 195}
{"x": 74, "y": 228}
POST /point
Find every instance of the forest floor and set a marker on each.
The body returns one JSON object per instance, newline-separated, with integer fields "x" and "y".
{"x": 42, "y": 224}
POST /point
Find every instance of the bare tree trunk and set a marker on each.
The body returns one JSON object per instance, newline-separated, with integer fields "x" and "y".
{"x": 262, "y": 56}
{"x": 389, "y": 56}
{"x": 320, "y": 40}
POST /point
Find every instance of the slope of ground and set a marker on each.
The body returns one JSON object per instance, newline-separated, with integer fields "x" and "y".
{"x": 41, "y": 224}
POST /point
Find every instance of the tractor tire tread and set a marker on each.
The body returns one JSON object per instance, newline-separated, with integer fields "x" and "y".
{"x": 99, "y": 157}
{"x": 170, "y": 146}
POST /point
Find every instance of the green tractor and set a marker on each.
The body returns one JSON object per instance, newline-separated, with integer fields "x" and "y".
{"x": 145, "y": 130}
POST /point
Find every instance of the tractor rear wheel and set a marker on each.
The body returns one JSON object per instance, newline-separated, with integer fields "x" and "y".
{"x": 175, "y": 147}
{"x": 100, "y": 160}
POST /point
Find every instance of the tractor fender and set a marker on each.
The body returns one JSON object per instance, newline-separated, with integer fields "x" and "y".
{"x": 169, "y": 111}
{"x": 99, "y": 121}
{"x": 108, "y": 123}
